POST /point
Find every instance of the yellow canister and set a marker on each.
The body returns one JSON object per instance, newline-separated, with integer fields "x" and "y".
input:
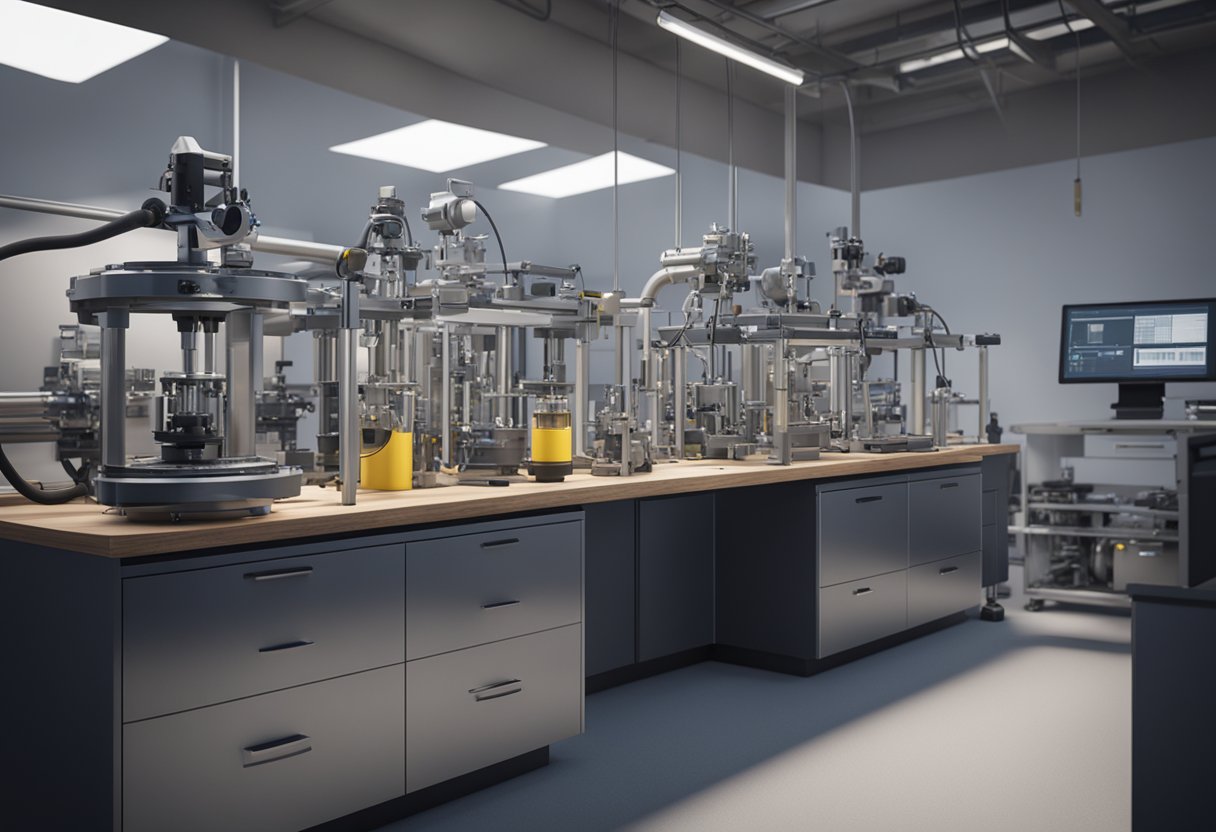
{"x": 551, "y": 444}
{"x": 389, "y": 467}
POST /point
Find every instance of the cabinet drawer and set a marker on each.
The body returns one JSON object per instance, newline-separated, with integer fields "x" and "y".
{"x": 1145, "y": 472}
{"x": 279, "y": 762}
{"x": 476, "y": 707}
{"x": 475, "y": 588}
{"x": 197, "y": 638}
{"x": 945, "y": 587}
{"x": 944, "y": 517}
{"x": 861, "y": 611}
{"x": 1114, "y": 446}
{"x": 862, "y": 532}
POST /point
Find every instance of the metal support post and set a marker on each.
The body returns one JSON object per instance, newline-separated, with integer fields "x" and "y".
{"x": 582, "y": 370}
{"x": 348, "y": 393}
{"x": 114, "y": 325}
{"x": 981, "y": 434}
{"x": 243, "y": 332}
{"x": 679, "y": 393}
{"x": 919, "y": 393}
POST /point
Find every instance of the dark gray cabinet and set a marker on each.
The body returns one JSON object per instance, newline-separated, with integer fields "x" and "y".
{"x": 943, "y": 587}
{"x": 995, "y": 530}
{"x": 675, "y": 574}
{"x": 610, "y": 598}
{"x": 858, "y": 612}
{"x": 944, "y": 516}
{"x": 204, "y": 636}
{"x": 863, "y": 531}
{"x": 279, "y": 762}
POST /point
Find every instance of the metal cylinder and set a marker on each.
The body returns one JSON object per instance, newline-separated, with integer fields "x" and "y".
{"x": 113, "y": 396}
{"x": 445, "y": 395}
{"x": 941, "y": 415}
{"x": 982, "y": 432}
{"x": 582, "y": 369}
{"x": 23, "y": 418}
{"x": 919, "y": 392}
{"x": 791, "y": 171}
{"x": 502, "y": 373}
{"x": 679, "y": 394}
{"x": 348, "y": 414}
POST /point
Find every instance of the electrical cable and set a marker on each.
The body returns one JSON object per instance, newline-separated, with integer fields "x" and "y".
{"x": 43, "y": 496}
{"x": 1077, "y": 44}
{"x": 150, "y": 215}
{"x": 501, "y": 250}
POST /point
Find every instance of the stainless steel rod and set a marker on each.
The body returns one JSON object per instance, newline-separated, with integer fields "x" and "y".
{"x": 984, "y": 404}
{"x": 679, "y": 389}
{"x": 791, "y": 171}
{"x": 113, "y": 396}
{"x": 582, "y": 364}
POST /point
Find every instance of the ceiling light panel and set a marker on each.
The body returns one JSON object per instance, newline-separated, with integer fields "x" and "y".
{"x": 592, "y": 174}
{"x": 982, "y": 48}
{"x": 1057, "y": 29}
{"x": 437, "y": 146}
{"x": 64, "y": 46}
{"x": 713, "y": 43}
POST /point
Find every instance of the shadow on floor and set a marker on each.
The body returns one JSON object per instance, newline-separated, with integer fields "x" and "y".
{"x": 655, "y": 742}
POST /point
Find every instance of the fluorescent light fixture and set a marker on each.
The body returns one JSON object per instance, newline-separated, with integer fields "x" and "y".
{"x": 592, "y": 174}
{"x": 64, "y": 46}
{"x": 1057, "y": 29}
{"x": 713, "y": 43}
{"x": 918, "y": 64}
{"x": 437, "y": 146}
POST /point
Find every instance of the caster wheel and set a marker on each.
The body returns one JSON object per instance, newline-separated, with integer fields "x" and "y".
{"x": 1034, "y": 605}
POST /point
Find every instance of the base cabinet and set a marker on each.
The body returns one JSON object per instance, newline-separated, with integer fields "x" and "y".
{"x": 943, "y": 587}
{"x": 279, "y": 762}
{"x": 857, "y": 612}
{"x": 479, "y": 706}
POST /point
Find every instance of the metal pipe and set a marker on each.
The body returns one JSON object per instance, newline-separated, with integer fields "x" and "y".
{"x": 679, "y": 183}
{"x": 582, "y": 369}
{"x": 113, "y": 389}
{"x": 982, "y": 433}
{"x": 349, "y": 441}
{"x": 854, "y": 163}
{"x": 23, "y": 405}
{"x": 679, "y": 393}
{"x": 304, "y": 249}
{"x": 502, "y": 372}
{"x": 782, "y": 452}
{"x": 667, "y": 276}
{"x": 236, "y": 122}
{"x": 445, "y": 395}
{"x": 919, "y": 392}
{"x": 791, "y": 172}
{"x": 732, "y": 183}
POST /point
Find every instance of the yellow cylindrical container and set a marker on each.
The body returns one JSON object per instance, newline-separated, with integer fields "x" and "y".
{"x": 551, "y": 440}
{"x": 389, "y": 467}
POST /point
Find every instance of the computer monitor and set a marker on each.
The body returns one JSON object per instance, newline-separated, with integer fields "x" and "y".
{"x": 1139, "y": 346}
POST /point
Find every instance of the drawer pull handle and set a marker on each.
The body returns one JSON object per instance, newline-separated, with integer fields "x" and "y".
{"x": 277, "y": 574}
{"x": 290, "y": 645}
{"x": 865, "y": 590}
{"x": 493, "y": 685}
{"x": 948, "y": 485}
{"x": 946, "y": 570}
{"x": 497, "y": 605}
{"x": 1131, "y": 445}
{"x": 494, "y": 544}
{"x": 873, "y": 499}
{"x": 269, "y": 752}
{"x": 485, "y": 697}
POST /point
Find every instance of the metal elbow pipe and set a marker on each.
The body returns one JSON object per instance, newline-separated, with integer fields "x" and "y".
{"x": 665, "y": 276}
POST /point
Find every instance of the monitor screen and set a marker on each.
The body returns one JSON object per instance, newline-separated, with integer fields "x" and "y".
{"x": 1150, "y": 342}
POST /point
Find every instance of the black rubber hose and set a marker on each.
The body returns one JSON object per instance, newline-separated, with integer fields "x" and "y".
{"x": 150, "y": 215}
{"x": 47, "y": 497}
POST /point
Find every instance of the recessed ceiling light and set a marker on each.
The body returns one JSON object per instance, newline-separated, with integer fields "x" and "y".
{"x": 437, "y": 146}
{"x": 65, "y": 46}
{"x": 1057, "y": 29}
{"x": 952, "y": 55}
{"x": 592, "y": 174}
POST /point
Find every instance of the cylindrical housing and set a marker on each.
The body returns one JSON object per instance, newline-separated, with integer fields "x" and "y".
{"x": 551, "y": 439}
{"x": 919, "y": 392}
{"x": 113, "y": 396}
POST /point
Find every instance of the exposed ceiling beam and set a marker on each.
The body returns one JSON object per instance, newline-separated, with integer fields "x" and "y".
{"x": 285, "y": 11}
{"x": 772, "y": 9}
{"x": 1113, "y": 25}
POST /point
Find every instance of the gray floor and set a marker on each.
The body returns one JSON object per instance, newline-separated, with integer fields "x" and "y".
{"x": 986, "y": 727}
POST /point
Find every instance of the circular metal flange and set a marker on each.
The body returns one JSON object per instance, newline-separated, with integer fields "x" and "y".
{"x": 182, "y": 288}
{"x": 167, "y": 491}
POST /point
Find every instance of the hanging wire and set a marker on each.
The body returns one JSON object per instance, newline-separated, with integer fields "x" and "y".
{"x": 1077, "y": 42}
{"x": 732, "y": 182}
{"x": 616, "y": 160}
{"x": 679, "y": 172}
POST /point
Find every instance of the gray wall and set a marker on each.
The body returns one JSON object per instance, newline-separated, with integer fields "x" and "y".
{"x": 1002, "y": 251}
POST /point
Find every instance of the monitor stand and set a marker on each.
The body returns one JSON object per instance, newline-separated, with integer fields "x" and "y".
{"x": 1140, "y": 400}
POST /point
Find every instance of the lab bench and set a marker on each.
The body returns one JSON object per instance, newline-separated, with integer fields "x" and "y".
{"x": 337, "y": 667}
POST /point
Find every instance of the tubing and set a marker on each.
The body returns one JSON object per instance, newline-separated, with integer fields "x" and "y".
{"x": 47, "y": 497}
{"x": 150, "y": 215}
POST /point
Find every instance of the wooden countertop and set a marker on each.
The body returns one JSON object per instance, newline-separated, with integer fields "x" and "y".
{"x": 84, "y": 526}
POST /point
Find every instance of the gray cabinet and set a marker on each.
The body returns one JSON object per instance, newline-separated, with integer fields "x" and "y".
{"x": 863, "y": 531}
{"x": 610, "y": 597}
{"x": 494, "y": 644}
{"x": 470, "y": 589}
{"x": 675, "y": 574}
{"x": 854, "y": 613}
{"x": 210, "y": 635}
{"x": 471, "y": 708}
{"x": 943, "y": 587}
{"x": 279, "y": 762}
{"x": 944, "y": 516}
{"x": 995, "y": 531}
